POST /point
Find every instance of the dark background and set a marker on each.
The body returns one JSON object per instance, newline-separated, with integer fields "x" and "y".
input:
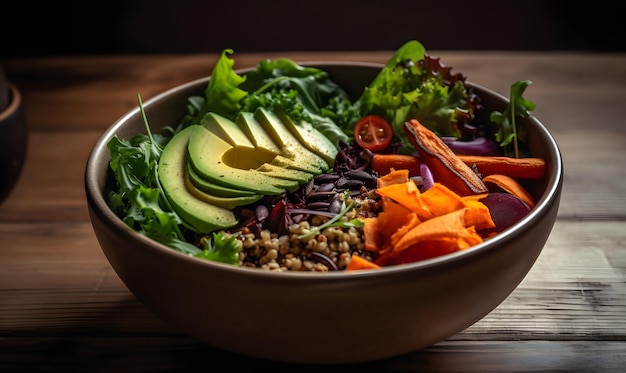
{"x": 193, "y": 26}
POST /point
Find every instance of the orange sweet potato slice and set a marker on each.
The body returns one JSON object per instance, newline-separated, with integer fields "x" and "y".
{"x": 509, "y": 185}
{"x": 445, "y": 166}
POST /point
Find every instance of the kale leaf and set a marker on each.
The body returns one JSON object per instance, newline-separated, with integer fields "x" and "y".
{"x": 304, "y": 93}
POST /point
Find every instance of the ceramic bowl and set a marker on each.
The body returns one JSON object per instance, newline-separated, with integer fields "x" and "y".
{"x": 320, "y": 318}
{"x": 13, "y": 137}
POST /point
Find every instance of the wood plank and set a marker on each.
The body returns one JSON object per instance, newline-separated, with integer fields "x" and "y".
{"x": 576, "y": 289}
{"x": 178, "y": 353}
{"x": 51, "y": 186}
{"x": 593, "y": 179}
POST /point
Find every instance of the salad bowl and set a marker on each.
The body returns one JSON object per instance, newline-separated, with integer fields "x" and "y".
{"x": 319, "y": 318}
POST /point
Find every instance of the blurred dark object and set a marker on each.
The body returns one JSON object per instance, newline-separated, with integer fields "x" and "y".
{"x": 4, "y": 91}
{"x": 195, "y": 26}
{"x": 13, "y": 136}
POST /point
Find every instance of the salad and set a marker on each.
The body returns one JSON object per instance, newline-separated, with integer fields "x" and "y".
{"x": 413, "y": 168}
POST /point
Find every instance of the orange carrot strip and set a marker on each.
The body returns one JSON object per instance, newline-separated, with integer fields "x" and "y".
{"x": 372, "y": 238}
{"x": 478, "y": 214}
{"x": 399, "y": 176}
{"x": 357, "y": 262}
{"x": 429, "y": 249}
{"x": 451, "y": 225}
{"x": 522, "y": 168}
{"x": 509, "y": 185}
{"x": 384, "y": 163}
{"x": 393, "y": 217}
{"x": 411, "y": 222}
{"x": 377, "y": 230}
{"x": 407, "y": 194}
{"x": 440, "y": 200}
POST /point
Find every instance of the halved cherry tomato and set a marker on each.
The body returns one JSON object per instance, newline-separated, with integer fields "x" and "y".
{"x": 373, "y": 132}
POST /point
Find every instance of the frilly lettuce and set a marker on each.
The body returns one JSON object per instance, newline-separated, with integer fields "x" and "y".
{"x": 415, "y": 85}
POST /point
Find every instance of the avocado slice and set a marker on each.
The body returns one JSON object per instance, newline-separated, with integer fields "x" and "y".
{"x": 291, "y": 147}
{"x": 245, "y": 154}
{"x": 215, "y": 189}
{"x": 310, "y": 137}
{"x": 255, "y": 132}
{"x": 199, "y": 215}
{"x": 262, "y": 140}
{"x": 225, "y": 202}
{"x": 226, "y": 129}
{"x": 302, "y": 177}
{"x": 209, "y": 155}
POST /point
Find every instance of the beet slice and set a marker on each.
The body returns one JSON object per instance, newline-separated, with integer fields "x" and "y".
{"x": 505, "y": 209}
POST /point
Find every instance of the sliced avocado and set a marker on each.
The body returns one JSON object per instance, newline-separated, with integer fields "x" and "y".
{"x": 290, "y": 163}
{"x": 244, "y": 154}
{"x": 226, "y": 129}
{"x": 302, "y": 177}
{"x": 255, "y": 132}
{"x": 215, "y": 189}
{"x": 201, "y": 216}
{"x": 310, "y": 137}
{"x": 225, "y": 202}
{"x": 263, "y": 140}
{"x": 207, "y": 153}
{"x": 291, "y": 147}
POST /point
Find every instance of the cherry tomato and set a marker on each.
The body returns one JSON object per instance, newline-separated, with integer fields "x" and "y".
{"x": 373, "y": 132}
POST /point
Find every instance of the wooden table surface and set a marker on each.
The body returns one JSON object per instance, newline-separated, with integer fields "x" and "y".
{"x": 63, "y": 308}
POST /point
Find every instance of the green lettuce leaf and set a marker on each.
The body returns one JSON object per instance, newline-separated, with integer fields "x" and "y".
{"x": 412, "y": 86}
{"x": 220, "y": 248}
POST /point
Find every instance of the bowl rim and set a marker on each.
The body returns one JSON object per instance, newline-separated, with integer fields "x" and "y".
{"x": 96, "y": 200}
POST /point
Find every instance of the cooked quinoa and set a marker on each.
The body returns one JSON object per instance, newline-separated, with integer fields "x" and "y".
{"x": 330, "y": 250}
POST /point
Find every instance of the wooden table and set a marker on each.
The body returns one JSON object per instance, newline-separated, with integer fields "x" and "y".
{"x": 62, "y": 307}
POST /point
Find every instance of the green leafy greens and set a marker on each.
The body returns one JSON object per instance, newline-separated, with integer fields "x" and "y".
{"x": 507, "y": 130}
{"x": 141, "y": 203}
{"x": 414, "y": 85}
{"x": 411, "y": 85}
{"x": 303, "y": 93}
